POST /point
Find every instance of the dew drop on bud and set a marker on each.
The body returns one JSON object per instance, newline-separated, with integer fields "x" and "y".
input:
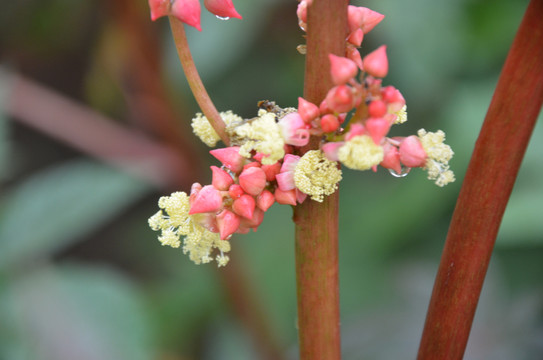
{"x": 222, "y": 17}
{"x": 403, "y": 173}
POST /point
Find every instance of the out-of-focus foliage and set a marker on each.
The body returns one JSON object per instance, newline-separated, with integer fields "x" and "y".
{"x": 81, "y": 273}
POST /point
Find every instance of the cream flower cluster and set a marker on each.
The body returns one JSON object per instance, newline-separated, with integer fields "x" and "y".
{"x": 439, "y": 154}
{"x": 316, "y": 176}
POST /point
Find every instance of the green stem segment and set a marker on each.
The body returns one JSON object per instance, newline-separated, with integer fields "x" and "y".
{"x": 486, "y": 189}
{"x": 195, "y": 83}
{"x": 317, "y": 223}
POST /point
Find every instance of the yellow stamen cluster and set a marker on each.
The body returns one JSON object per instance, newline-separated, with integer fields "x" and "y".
{"x": 316, "y": 176}
{"x": 401, "y": 115}
{"x": 360, "y": 153}
{"x": 174, "y": 221}
{"x": 439, "y": 155}
{"x": 262, "y": 135}
{"x": 203, "y": 129}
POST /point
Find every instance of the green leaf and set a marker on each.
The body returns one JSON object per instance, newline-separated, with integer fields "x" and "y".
{"x": 73, "y": 312}
{"x": 58, "y": 206}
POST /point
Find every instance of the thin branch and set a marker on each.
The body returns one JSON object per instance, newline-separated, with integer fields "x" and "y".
{"x": 88, "y": 131}
{"x": 487, "y": 186}
{"x": 195, "y": 83}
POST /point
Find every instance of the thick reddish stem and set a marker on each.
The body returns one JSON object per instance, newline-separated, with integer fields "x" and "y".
{"x": 487, "y": 186}
{"x": 317, "y": 223}
{"x": 195, "y": 83}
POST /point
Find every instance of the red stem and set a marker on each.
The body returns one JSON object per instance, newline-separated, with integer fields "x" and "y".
{"x": 317, "y": 223}
{"x": 487, "y": 186}
{"x": 195, "y": 83}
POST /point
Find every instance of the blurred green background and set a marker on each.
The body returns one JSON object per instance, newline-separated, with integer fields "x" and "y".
{"x": 81, "y": 274}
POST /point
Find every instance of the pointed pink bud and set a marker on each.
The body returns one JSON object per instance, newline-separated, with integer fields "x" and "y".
{"x": 244, "y": 206}
{"x": 342, "y": 69}
{"x": 352, "y": 53}
{"x": 340, "y": 98}
{"x": 187, "y": 11}
{"x": 412, "y": 153}
{"x": 393, "y": 97}
{"x": 324, "y": 109}
{"x": 235, "y": 191}
{"x": 377, "y": 128}
{"x": 285, "y": 180}
{"x": 255, "y": 222}
{"x": 208, "y": 199}
{"x": 221, "y": 179}
{"x": 301, "y": 12}
{"x": 159, "y": 8}
{"x": 300, "y": 196}
{"x": 376, "y": 62}
{"x": 285, "y": 197}
{"x": 264, "y": 200}
{"x": 228, "y": 223}
{"x": 377, "y": 109}
{"x": 307, "y": 110}
{"x": 289, "y": 162}
{"x": 294, "y": 129}
{"x": 230, "y": 158}
{"x": 251, "y": 164}
{"x": 271, "y": 170}
{"x": 331, "y": 149}
{"x": 329, "y": 123}
{"x": 355, "y": 17}
{"x": 253, "y": 180}
{"x": 356, "y": 37}
{"x": 391, "y": 159}
{"x": 356, "y": 129}
{"x": 370, "y": 19}
{"x": 222, "y": 8}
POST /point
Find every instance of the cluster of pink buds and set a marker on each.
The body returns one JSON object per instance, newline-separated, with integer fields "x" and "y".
{"x": 188, "y": 11}
{"x": 262, "y": 166}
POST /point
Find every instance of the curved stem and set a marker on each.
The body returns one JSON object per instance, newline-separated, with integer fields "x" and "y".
{"x": 486, "y": 189}
{"x": 317, "y": 223}
{"x": 195, "y": 83}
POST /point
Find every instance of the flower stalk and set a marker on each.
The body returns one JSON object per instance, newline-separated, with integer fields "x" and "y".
{"x": 486, "y": 189}
{"x": 195, "y": 83}
{"x": 317, "y": 223}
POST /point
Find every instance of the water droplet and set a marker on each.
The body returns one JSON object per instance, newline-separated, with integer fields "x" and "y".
{"x": 403, "y": 173}
{"x": 222, "y": 17}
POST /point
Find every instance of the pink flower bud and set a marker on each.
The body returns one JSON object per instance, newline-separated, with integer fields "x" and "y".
{"x": 354, "y": 17}
{"x": 289, "y": 162}
{"x": 221, "y": 179}
{"x": 376, "y": 62}
{"x": 285, "y": 180}
{"x": 329, "y": 123}
{"x": 340, "y": 98}
{"x": 377, "y": 128}
{"x": 253, "y": 223}
{"x": 271, "y": 170}
{"x": 331, "y": 149}
{"x": 294, "y": 129}
{"x": 352, "y": 53}
{"x": 251, "y": 164}
{"x": 356, "y": 37}
{"x": 159, "y": 8}
{"x": 228, "y": 223}
{"x": 377, "y": 109}
{"x": 264, "y": 200}
{"x": 391, "y": 159}
{"x": 285, "y": 197}
{"x": 301, "y": 12}
{"x": 342, "y": 69}
{"x": 307, "y": 110}
{"x": 222, "y": 8}
{"x": 324, "y": 109}
{"x": 230, "y": 158}
{"x": 187, "y": 11}
{"x": 244, "y": 206}
{"x": 412, "y": 153}
{"x": 235, "y": 191}
{"x": 253, "y": 180}
{"x": 393, "y": 97}
{"x": 208, "y": 199}
{"x": 300, "y": 196}
{"x": 357, "y": 129}
{"x": 370, "y": 19}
